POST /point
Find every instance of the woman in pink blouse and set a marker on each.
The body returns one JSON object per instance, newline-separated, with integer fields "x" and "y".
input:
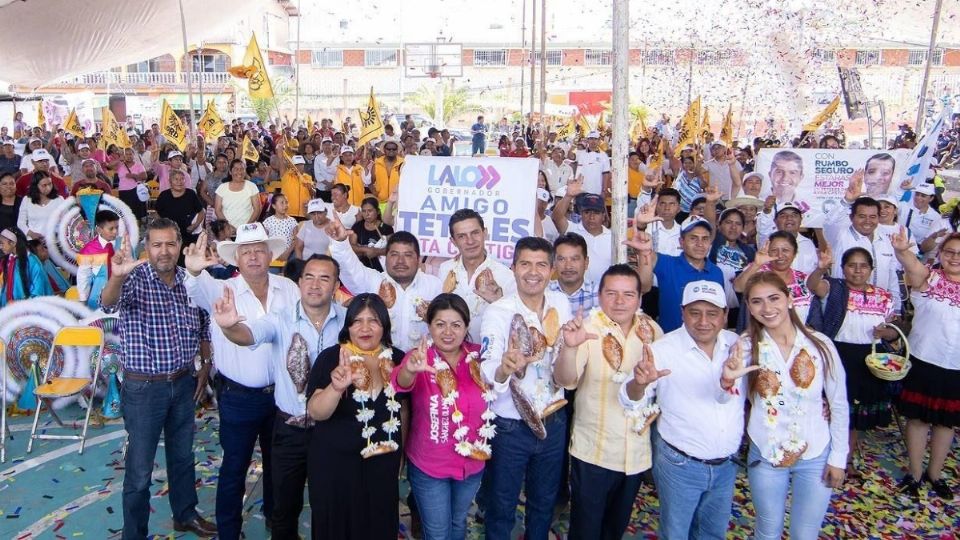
{"x": 449, "y": 439}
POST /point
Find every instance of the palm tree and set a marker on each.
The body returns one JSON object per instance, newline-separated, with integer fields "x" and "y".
{"x": 456, "y": 101}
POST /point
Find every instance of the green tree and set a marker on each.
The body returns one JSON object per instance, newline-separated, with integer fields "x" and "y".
{"x": 456, "y": 101}
{"x": 266, "y": 108}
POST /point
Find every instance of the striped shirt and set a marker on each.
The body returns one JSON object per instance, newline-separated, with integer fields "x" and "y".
{"x": 689, "y": 187}
{"x": 160, "y": 329}
{"x": 585, "y": 297}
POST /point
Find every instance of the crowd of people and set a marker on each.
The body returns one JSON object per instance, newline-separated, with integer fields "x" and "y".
{"x": 732, "y": 338}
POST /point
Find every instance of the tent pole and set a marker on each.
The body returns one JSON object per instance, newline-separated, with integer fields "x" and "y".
{"x": 186, "y": 54}
{"x": 918, "y": 126}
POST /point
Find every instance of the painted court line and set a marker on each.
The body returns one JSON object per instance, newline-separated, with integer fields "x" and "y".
{"x": 31, "y": 463}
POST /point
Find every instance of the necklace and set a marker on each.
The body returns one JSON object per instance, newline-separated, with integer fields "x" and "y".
{"x": 361, "y": 395}
{"x": 480, "y": 448}
{"x": 784, "y": 450}
{"x": 357, "y": 351}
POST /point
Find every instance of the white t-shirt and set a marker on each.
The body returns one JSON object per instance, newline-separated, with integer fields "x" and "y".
{"x": 720, "y": 177}
{"x": 348, "y": 218}
{"x": 315, "y": 240}
{"x": 599, "y": 249}
{"x": 236, "y": 205}
{"x": 281, "y": 228}
{"x": 592, "y": 165}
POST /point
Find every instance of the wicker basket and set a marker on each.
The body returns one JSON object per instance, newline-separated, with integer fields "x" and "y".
{"x": 889, "y": 366}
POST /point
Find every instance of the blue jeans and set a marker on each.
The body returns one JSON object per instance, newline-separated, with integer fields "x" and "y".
{"x": 695, "y": 498}
{"x": 521, "y": 459}
{"x": 601, "y": 501}
{"x": 443, "y": 503}
{"x": 149, "y": 408}
{"x": 245, "y": 416}
{"x": 768, "y": 490}
{"x": 478, "y": 147}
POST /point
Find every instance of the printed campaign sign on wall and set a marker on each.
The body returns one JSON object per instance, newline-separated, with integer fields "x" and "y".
{"x": 816, "y": 178}
{"x": 501, "y": 190}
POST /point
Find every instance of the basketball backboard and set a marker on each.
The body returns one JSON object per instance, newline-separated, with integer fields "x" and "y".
{"x": 433, "y": 60}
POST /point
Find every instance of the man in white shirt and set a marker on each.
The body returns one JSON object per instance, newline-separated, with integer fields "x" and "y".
{"x": 325, "y": 166}
{"x": 593, "y": 211}
{"x": 700, "y": 423}
{"x": 594, "y": 166}
{"x": 788, "y": 217}
{"x": 244, "y": 380}
{"x": 531, "y": 421}
{"x": 559, "y": 172}
{"x": 724, "y": 170}
{"x": 402, "y": 286}
{"x": 922, "y": 220}
{"x": 474, "y": 275}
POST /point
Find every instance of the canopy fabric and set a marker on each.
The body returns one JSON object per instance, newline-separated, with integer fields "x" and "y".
{"x": 42, "y": 41}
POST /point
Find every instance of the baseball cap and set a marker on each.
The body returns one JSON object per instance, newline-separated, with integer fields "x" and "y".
{"x": 925, "y": 189}
{"x": 887, "y": 199}
{"x": 789, "y": 206}
{"x": 695, "y": 221}
{"x": 174, "y": 154}
{"x": 316, "y": 205}
{"x": 745, "y": 200}
{"x": 81, "y": 146}
{"x": 325, "y": 139}
{"x": 9, "y": 141}
{"x": 298, "y": 160}
{"x": 346, "y": 149}
{"x": 543, "y": 195}
{"x": 593, "y": 135}
{"x": 758, "y": 175}
{"x": 40, "y": 154}
{"x": 704, "y": 291}
{"x": 591, "y": 201}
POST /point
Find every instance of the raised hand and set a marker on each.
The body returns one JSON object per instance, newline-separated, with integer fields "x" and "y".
{"x": 712, "y": 194}
{"x": 855, "y": 187}
{"x": 763, "y": 255}
{"x": 733, "y": 368}
{"x": 652, "y": 180}
{"x": 123, "y": 261}
{"x": 769, "y": 203}
{"x": 575, "y": 186}
{"x": 225, "y": 310}
{"x": 417, "y": 361}
{"x": 513, "y": 360}
{"x": 646, "y": 372}
{"x": 900, "y": 240}
{"x": 647, "y": 214}
{"x": 641, "y": 241}
{"x": 342, "y": 376}
{"x": 335, "y": 229}
{"x": 196, "y": 256}
{"x": 824, "y": 257}
{"x": 574, "y": 333}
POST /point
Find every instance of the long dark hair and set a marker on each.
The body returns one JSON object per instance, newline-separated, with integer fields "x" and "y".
{"x": 23, "y": 260}
{"x": 359, "y": 303}
{"x": 755, "y": 328}
{"x": 34, "y": 192}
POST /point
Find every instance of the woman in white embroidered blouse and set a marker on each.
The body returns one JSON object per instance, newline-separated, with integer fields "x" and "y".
{"x": 791, "y": 442}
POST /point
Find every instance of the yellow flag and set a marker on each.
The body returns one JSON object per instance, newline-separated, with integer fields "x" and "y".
{"x": 41, "y": 118}
{"x": 705, "y": 124}
{"x": 248, "y": 151}
{"x": 639, "y": 129}
{"x": 726, "y": 132}
{"x": 819, "y": 119}
{"x": 584, "y": 126}
{"x": 657, "y": 162}
{"x": 72, "y": 124}
{"x": 567, "y": 130}
{"x": 112, "y": 133}
{"x": 310, "y": 128}
{"x": 254, "y": 69}
{"x": 601, "y": 125}
{"x": 172, "y": 127}
{"x": 211, "y": 123}
{"x": 371, "y": 124}
{"x": 689, "y": 126}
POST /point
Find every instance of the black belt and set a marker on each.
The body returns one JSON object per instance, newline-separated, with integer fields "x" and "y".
{"x": 715, "y": 461}
{"x": 157, "y": 377}
{"x": 226, "y": 382}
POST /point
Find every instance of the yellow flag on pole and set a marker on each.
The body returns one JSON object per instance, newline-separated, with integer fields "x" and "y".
{"x": 726, "y": 132}
{"x": 657, "y": 162}
{"x": 601, "y": 125}
{"x": 689, "y": 126}
{"x": 705, "y": 123}
{"x": 371, "y": 124}
{"x": 567, "y": 130}
{"x": 584, "y": 126}
{"x": 248, "y": 151}
{"x": 211, "y": 123}
{"x": 819, "y": 119}
{"x": 72, "y": 124}
{"x": 310, "y": 128}
{"x": 112, "y": 133}
{"x": 41, "y": 118}
{"x": 254, "y": 69}
{"x": 639, "y": 129}
{"x": 172, "y": 127}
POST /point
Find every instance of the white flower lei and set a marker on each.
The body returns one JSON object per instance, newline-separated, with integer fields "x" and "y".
{"x": 794, "y": 443}
{"x": 364, "y": 415}
{"x": 641, "y": 415}
{"x": 485, "y": 432}
{"x": 606, "y": 327}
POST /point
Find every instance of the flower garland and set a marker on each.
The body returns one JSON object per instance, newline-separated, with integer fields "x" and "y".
{"x": 642, "y": 417}
{"x": 479, "y": 449}
{"x": 365, "y": 414}
{"x": 606, "y": 326}
{"x": 782, "y": 452}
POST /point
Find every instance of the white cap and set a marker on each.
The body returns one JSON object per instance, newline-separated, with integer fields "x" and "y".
{"x": 757, "y": 174}
{"x": 346, "y": 149}
{"x": 925, "y": 189}
{"x": 9, "y": 141}
{"x": 298, "y": 160}
{"x": 887, "y": 199}
{"x": 593, "y": 135}
{"x": 543, "y": 195}
{"x": 704, "y": 291}
{"x": 174, "y": 154}
{"x": 33, "y": 140}
{"x": 316, "y": 205}
{"x": 41, "y": 154}
{"x": 325, "y": 139}
{"x": 81, "y": 146}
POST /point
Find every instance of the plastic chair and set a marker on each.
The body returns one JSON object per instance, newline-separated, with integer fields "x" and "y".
{"x": 57, "y": 387}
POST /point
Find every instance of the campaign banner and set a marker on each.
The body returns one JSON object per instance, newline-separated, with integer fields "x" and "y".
{"x": 502, "y": 190}
{"x": 816, "y": 178}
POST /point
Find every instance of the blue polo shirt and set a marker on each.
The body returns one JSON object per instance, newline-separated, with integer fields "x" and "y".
{"x": 673, "y": 274}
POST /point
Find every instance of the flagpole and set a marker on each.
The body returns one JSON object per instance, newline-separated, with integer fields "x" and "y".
{"x": 186, "y": 54}
{"x": 296, "y": 106}
{"x": 621, "y": 76}
{"x": 926, "y": 71}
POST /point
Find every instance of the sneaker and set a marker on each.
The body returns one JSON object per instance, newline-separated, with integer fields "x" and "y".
{"x": 909, "y": 487}
{"x": 940, "y": 487}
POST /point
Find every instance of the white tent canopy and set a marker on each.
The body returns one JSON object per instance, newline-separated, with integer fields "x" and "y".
{"x": 42, "y": 41}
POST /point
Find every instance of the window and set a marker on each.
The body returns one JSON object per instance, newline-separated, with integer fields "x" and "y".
{"x": 327, "y": 58}
{"x": 868, "y": 58}
{"x": 714, "y": 58}
{"x": 147, "y": 66}
{"x": 489, "y": 57}
{"x": 597, "y": 57}
{"x": 210, "y": 63}
{"x": 554, "y": 57}
{"x": 380, "y": 58}
{"x": 659, "y": 57}
{"x": 919, "y": 57}
{"x": 825, "y": 55}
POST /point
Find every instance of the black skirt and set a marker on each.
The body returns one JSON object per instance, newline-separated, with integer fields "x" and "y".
{"x": 138, "y": 207}
{"x": 868, "y": 396}
{"x": 931, "y": 394}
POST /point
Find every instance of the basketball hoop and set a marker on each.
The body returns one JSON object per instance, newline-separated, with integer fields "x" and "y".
{"x": 433, "y": 60}
{"x": 433, "y": 71}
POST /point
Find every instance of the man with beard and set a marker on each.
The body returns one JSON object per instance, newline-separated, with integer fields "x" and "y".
{"x": 88, "y": 178}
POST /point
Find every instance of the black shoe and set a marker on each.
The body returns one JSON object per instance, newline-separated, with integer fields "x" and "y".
{"x": 940, "y": 487}
{"x": 198, "y": 526}
{"x": 909, "y": 486}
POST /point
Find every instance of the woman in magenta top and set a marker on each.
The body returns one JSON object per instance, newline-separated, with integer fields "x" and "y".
{"x": 451, "y": 424}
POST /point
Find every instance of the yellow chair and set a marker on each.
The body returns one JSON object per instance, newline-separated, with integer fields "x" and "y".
{"x": 51, "y": 388}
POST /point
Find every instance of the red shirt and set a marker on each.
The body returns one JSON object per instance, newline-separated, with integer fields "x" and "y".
{"x": 23, "y": 185}
{"x": 519, "y": 153}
